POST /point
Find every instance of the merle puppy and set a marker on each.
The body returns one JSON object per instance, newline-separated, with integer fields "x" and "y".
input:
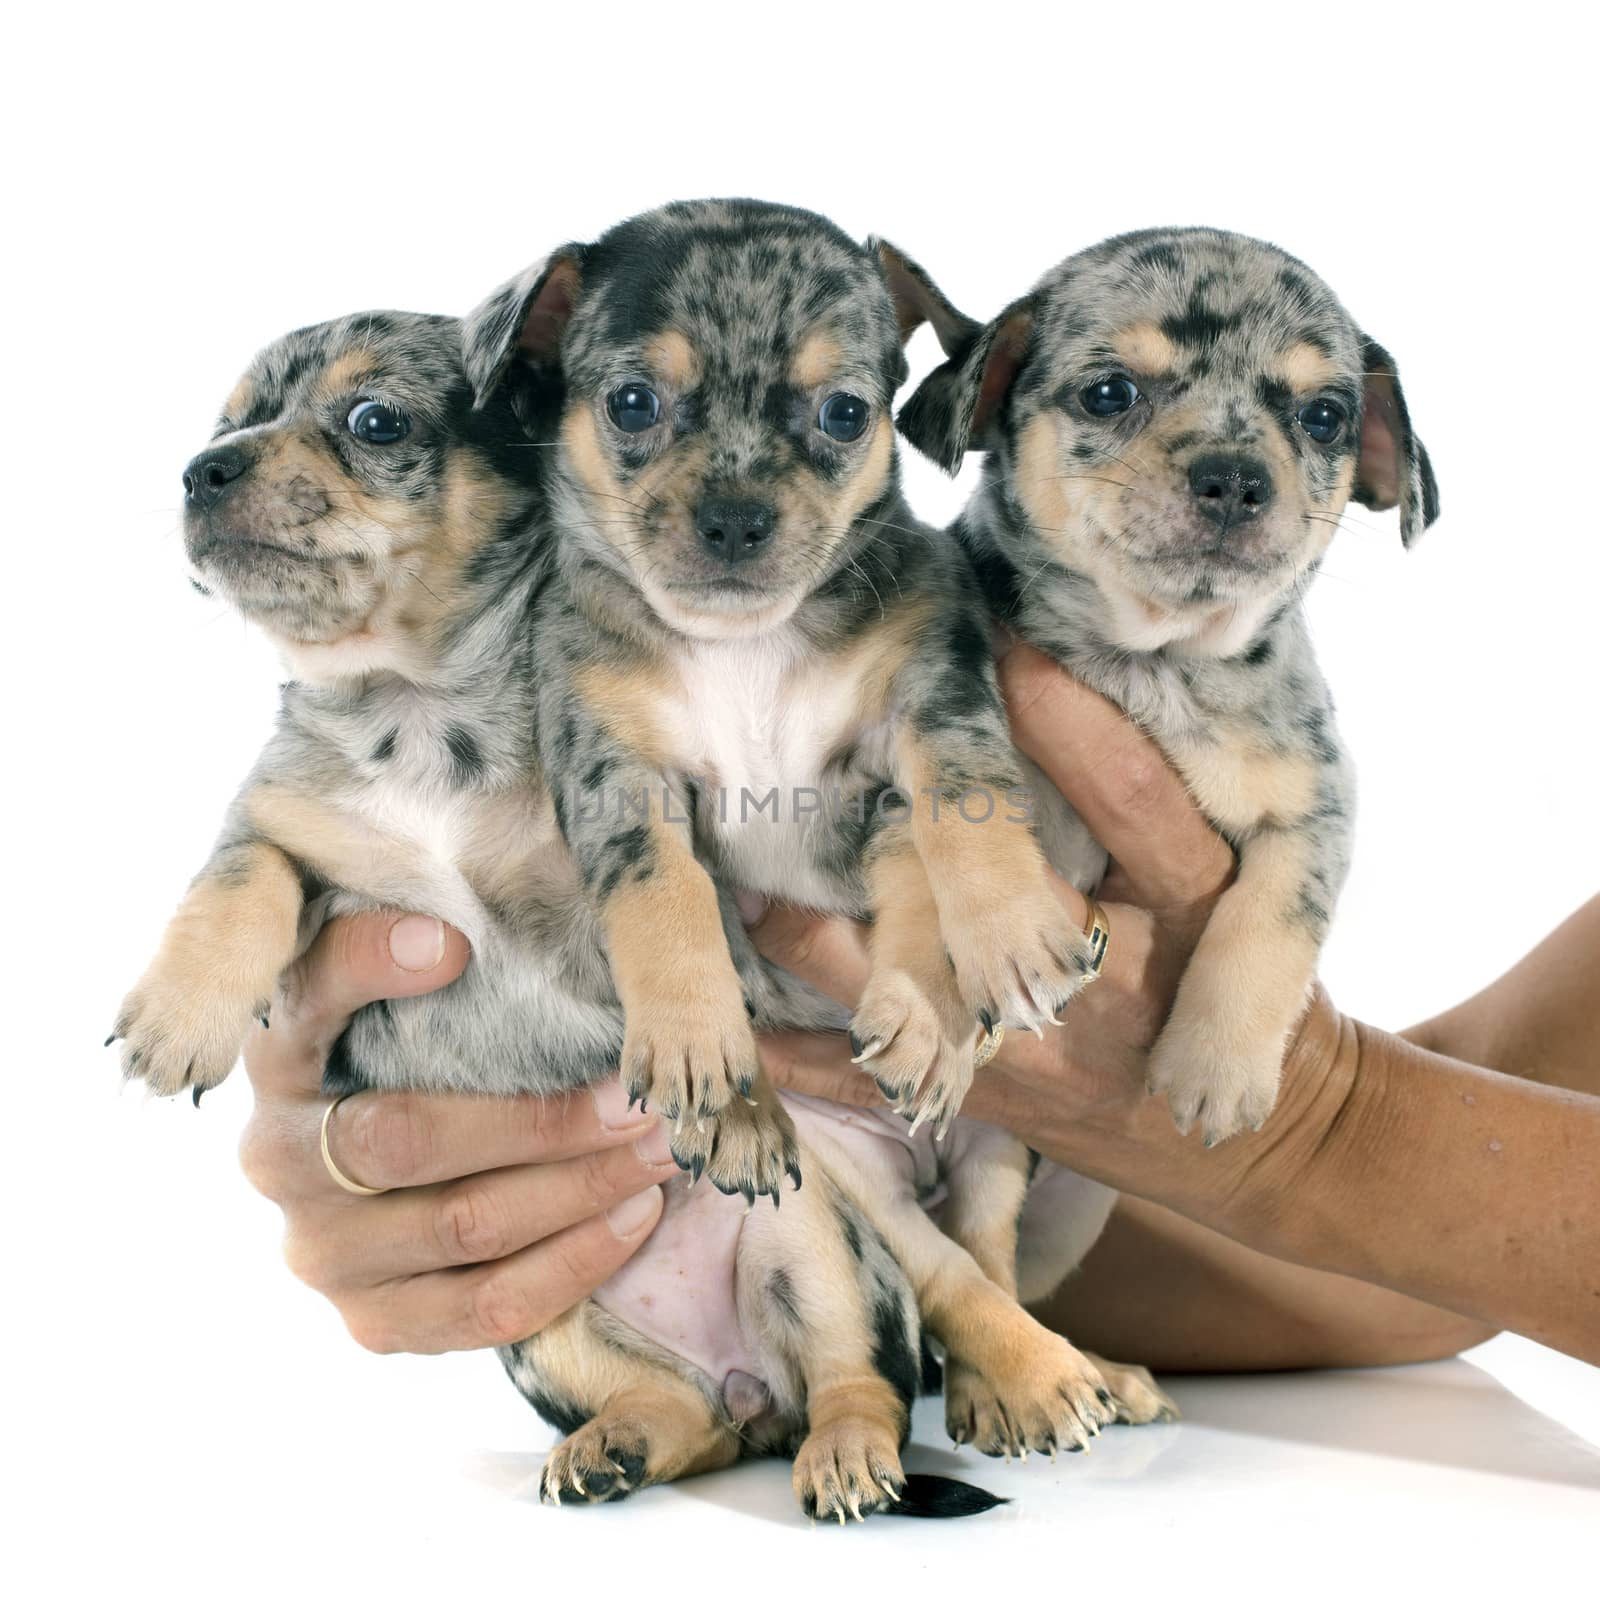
{"x": 1174, "y": 422}
{"x": 755, "y": 669}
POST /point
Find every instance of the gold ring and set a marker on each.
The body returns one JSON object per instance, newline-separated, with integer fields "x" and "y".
{"x": 349, "y": 1185}
{"x": 988, "y": 1045}
{"x": 1098, "y": 932}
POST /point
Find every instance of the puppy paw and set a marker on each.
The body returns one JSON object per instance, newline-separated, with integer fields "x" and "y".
{"x": 689, "y": 1059}
{"x": 848, "y": 1469}
{"x": 179, "y": 1031}
{"x": 1050, "y": 1397}
{"x": 1021, "y": 963}
{"x": 919, "y": 1048}
{"x": 748, "y": 1149}
{"x": 1135, "y": 1395}
{"x": 604, "y": 1460}
{"x": 1224, "y": 1091}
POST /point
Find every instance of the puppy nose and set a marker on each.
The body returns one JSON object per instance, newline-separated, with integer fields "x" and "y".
{"x": 1230, "y": 489}
{"x": 207, "y": 477}
{"x": 736, "y": 530}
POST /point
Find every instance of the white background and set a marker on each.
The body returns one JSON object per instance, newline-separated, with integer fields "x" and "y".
{"x": 187, "y": 185}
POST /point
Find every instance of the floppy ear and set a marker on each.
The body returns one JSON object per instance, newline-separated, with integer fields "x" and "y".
{"x": 1392, "y": 468}
{"x": 918, "y": 299}
{"x": 525, "y": 317}
{"x": 953, "y": 406}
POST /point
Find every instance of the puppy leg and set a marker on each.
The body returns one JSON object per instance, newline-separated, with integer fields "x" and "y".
{"x": 688, "y": 1047}
{"x": 1018, "y": 954}
{"x": 631, "y": 1421}
{"x": 987, "y": 1184}
{"x": 1218, "y": 1058}
{"x": 1011, "y": 1385}
{"x": 912, "y": 1030}
{"x": 832, "y": 1301}
{"x": 220, "y": 958}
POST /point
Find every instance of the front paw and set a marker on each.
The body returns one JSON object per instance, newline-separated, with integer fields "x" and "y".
{"x": 689, "y": 1060}
{"x": 748, "y": 1148}
{"x": 919, "y": 1048}
{"x": 1022, "y": 962}
{"x": 177, "y": 1035}
{"x": 1226, "y": 1087}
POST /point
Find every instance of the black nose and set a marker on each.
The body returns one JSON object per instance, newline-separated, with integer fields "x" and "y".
{"x": 1230, "y": 489}
{"x": 207, "y": 477}
{"x": 735, "y": 530}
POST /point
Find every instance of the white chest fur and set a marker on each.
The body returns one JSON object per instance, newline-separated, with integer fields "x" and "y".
{"x": 763, "y": 724}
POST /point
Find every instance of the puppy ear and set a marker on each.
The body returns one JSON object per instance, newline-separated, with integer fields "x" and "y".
{"x": 1392, "y": 468}
{"x": 918, "y": 299}
{"x": 953, "y": 407}
{"x": 525, "y": 317}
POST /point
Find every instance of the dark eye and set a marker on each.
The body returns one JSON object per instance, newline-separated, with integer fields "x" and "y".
{"x": 1323, "y": 420}
{"x": 843, "y": 416}
{"x": 1110, "y": 397}
{"x": 634, "y": 408}
{"x": 375, "y": 423}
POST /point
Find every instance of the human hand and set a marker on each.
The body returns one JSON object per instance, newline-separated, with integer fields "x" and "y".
{"x": 499, "y": 1214}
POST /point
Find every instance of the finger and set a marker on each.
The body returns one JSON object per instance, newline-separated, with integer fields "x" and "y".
{"x": 830, "y": 953}
{"x": 818, "y": 1064}
{"x": 380, "y": 956}
{"x": 473, "y": 1220}
{"x": 354, "y": 960}
{"x": 398, "y": 1140}
{"x": 479, "y": 1307}
{"x": 1117, "y": 781}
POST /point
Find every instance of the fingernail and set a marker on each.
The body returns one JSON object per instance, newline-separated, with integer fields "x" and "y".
{"x": 752, "y": 906}
{"x": 612, "y": 1108}
{"x": 655, "y": 1148}
{"x": 638, "y": 1211}
{"x": 416, "y": 944}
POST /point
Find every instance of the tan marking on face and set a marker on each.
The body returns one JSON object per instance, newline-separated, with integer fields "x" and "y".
{"x": 817, "y": 359}
{"x": 1145, "y": 349}
{"x": 1303, "y": 367}
{"x": 814, "y": 515}
{"x": 345, "y": 374}
{"x": 672, "y": 359}
{"x": 1054, "y": 501}
{"x": 238, "y": 403}
{"x": 1241, "y": 785}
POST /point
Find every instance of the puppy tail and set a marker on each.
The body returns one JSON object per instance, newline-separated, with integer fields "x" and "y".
{"x": 925, "y": 1495}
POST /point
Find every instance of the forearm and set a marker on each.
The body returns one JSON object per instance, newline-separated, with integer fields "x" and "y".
{"x": 1463, "y": 1187}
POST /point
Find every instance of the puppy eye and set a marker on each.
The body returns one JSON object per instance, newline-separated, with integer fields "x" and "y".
{"x": 1110, "y": 397}
{"x": 1323, "y": 420}
{"x": 375, "y": 423}
{"x": 634, "y": 408}
{"x": 843, "y": 416}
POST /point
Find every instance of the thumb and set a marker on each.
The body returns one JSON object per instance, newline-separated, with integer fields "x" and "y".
{"x": 377, "y": 956}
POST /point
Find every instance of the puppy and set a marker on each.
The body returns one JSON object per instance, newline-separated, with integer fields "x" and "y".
{"x": 743, "y": 612}
{"x": 391, "y": 537}
{"x": 1174, "y": 422}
